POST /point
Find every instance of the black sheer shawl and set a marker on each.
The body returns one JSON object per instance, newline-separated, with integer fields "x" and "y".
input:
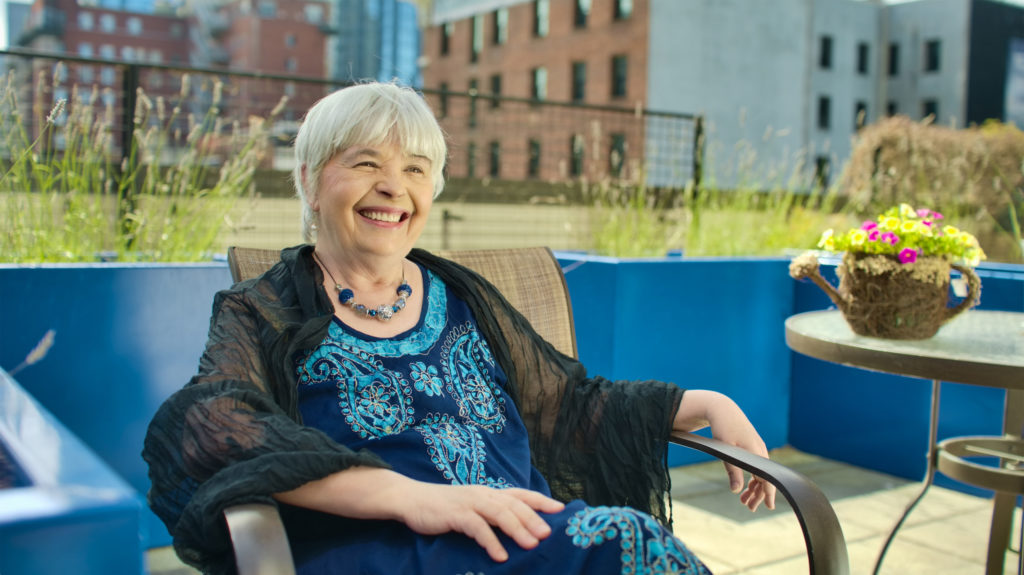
{"x": 233, "y": 434}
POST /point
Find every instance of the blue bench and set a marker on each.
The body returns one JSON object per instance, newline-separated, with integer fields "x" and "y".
{"x": 63, "y": 510}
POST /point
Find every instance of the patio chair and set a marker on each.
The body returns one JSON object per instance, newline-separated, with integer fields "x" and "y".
{"x": 257, "y": 532}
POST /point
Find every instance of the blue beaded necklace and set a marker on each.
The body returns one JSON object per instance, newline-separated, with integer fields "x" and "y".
{"x": 382, "y": 312}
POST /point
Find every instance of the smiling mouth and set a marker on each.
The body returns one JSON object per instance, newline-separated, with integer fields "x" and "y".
{"x": 386, "y": 217}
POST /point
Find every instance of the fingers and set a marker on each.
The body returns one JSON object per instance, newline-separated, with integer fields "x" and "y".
{"x": 735, "y": 477}
{"x": 512, "y": 511}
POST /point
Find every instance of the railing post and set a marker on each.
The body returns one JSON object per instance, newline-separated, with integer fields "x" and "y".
{"x": 698, "y": 152}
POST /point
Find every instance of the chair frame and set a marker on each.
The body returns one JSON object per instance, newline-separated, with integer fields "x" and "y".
{"x": 258, "y": 535}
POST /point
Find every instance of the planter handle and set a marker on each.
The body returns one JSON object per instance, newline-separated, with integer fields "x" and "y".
{"x": 973, "y": 291}
{"x": 805, "y": 266}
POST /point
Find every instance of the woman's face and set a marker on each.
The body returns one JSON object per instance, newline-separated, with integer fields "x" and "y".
{"x": 373, "y": 200}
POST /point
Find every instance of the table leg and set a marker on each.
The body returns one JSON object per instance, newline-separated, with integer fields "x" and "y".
{"x": 929, "y": 477}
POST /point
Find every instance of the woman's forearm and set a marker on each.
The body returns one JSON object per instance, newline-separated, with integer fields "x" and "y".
{"x": 357, "y": 492}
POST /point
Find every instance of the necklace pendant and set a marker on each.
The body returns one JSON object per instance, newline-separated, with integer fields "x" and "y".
{"x": 384, "y": 312}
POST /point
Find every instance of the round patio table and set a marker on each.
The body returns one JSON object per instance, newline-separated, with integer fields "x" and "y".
{"x": 978, "y": 348}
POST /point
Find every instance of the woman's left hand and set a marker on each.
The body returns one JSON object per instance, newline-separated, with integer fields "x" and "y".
{"x": 702, "y": 408}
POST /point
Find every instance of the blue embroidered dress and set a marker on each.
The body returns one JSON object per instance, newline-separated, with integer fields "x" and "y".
{"x": 431, "y": 403}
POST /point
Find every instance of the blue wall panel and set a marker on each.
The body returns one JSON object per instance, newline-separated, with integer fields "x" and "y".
{"x": 702, "y": 324}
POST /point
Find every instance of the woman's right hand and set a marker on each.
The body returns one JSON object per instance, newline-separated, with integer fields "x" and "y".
{"x": 474, "y": 510}
{"x": 431, "y": 509}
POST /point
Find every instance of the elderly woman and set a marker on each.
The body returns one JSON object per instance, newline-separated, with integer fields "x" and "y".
{"x": 401, "y": 414}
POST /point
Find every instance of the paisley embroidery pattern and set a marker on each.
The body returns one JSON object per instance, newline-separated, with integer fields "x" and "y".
{"x": 647, "y": 548}
{"x": 466, "y": 362}
{"x": 374, "y": 401}
{"x": 457, "y": 451}
{"x": 425, "y": 378}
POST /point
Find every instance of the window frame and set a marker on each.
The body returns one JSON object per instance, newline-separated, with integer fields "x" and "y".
{"x": 619, "y": 76}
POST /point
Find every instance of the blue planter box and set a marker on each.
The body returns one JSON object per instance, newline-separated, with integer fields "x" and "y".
{"x": 130, "y": 335}
{"x": 68, "y": 512}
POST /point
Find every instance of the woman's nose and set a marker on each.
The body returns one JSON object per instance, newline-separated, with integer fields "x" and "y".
{"x": 390, "y": 182}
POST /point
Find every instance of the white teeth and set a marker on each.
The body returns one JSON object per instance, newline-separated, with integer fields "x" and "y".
{"x": 383, "y": 216}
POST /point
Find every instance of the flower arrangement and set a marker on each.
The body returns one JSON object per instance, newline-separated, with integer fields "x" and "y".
{"x": 907, "y": 234}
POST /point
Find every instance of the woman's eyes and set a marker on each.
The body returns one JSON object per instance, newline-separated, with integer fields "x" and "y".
{"x": 415, "y": 169}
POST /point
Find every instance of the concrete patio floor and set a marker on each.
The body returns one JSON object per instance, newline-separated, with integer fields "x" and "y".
{"x": 947, "y": 533}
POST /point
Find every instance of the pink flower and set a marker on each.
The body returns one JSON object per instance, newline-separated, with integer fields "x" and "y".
{"x": 868, "y": 226}
{"x": 908, "y": 255}
{"x": 926, "y": 223}
{"x": 890, "y": 238}
{"x": 874, "y": 234}
{"x": 923, "y": 212}
{"x": 936, "y": 215}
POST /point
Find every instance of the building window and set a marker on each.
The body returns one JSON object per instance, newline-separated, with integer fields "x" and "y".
{"x": 127, "y": 53}
{"x": 447, "y": 31}
{"x": 291, "y": 64}
{"x": 500, "y": 32}
{"x": 108, "y": 23}
{"x": 155, "y": 80}
{"x": 860, "y": 114}
{"x": 494, "y": 169}
{"x": 541, "y": 10}
{"x": 134, "y": 26}
{"x": 495, "y": 90}
{"x": 85, "y": 20}
{"x": 582, "y": 12}
{"x": 539, "y": 88}
{"x": 533, "y": 166}
{"x": 623, "y": 9}
{"x": 824, "y": 112}
{"x": 891, "y": 109}
{"x": 930, "y": 108}
{"x": 476, "y": 38}
{"x": 932, "y": 55}
{"x": 108, "y": 52}
{"x": 267, "y": 9}
{"x": 620, "y": 73}
{"x": 863, "y": 55}
{"x": 289, "y": 40}
{"x": 176, "y": 30}
{"x": 473, "y": 88}
{"x": 822, "y": 171}
{"x": 894, "y": 59}
{"x": 86, "y": 74}
{"x": 576, "y": 155}
{"x": 579, "y": 81}
{"x": 617, "y": 154}
{"x": 156, "y": 56}
{"x": 85, "y": 49}
{"x": 314, "y": 13}
{"x": 107, "y": 76}
{"x": 825, "y": 53}
{"x": 471, "y": 160}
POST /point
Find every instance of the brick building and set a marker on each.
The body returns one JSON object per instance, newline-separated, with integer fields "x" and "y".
{"x": 588, "y": 53}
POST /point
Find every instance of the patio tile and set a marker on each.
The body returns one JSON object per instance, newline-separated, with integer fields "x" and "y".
{"x": 907, "y": 558}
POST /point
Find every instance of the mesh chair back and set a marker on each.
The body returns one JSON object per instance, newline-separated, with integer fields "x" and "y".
{"x": 530, "y": 278}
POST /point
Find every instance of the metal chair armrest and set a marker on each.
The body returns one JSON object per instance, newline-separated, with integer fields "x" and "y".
{"x": 259, "y": 540}
{"x": 826, "y": 547}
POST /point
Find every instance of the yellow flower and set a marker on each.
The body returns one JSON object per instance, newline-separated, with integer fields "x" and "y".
{"x": 858, "y": 237}
{"x": 890, "y": 223}
{"x": 826, "y": 241}
{"x": 950, "y": 231}
{"x": 908, "y": 226}
{"x": 968, "y": 239}
{"x": 907, "y": 211}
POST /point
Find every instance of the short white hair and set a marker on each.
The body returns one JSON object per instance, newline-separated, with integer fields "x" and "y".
{"x": 364, "y": 115}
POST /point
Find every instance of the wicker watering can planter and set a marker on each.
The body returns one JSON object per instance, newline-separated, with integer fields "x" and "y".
{"x": 881, "y": 297}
